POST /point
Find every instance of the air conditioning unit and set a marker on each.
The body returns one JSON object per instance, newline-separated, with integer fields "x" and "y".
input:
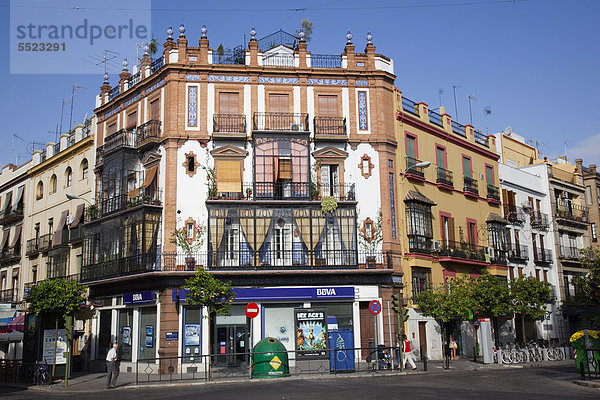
{"x": 296, "y": 127}
{"x": 526, "y": 205}
{"x": 564, "y": 195}
{"x": 70, "y": 219}
{"x": 436, "y": 245}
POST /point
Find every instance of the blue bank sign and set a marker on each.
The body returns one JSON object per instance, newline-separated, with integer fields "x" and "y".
{"x": 138, "y": 297}
{"x": 303, "y": 293}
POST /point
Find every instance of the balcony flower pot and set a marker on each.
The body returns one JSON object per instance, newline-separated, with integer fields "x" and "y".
{"x": 371, "y": 262}
{"x": 248, "y": 192}
{"x": 190, "y": 262}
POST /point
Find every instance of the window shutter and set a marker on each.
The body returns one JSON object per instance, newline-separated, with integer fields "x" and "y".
{"x": 279, "y": 103}
{"x": 229, "y": 176}
{"x": 285, "y": 169}
{"x": 328, "y": 106}
{"x": 228, "y": 103}
{"x": 451, "y": 236}
{"x": 155, "y": 110}
{"x": 132, "y": 120}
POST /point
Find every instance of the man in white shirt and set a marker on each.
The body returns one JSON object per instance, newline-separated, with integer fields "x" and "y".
{"x": 112, "y": 367}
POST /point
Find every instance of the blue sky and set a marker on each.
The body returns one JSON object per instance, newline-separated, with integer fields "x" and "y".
{"x": 535, "y": 62}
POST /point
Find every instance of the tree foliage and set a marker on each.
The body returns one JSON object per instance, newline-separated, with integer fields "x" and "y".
{"x": 585, "y": 302}
{"x": 529, "y": 297}
{"x": 207, "y": 291}
{"x": 445, "y": 303}
{"x": 489, "y": 295}
{"x": 307, "y": 26}
{"x": 59, "y": 298}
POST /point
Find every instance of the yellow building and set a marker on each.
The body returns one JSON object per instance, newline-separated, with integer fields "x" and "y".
{"x": 449, "y": 207}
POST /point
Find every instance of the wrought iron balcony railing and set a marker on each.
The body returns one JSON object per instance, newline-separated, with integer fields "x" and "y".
{"x": 143, "y": 196}
{"x": 513, "y": 214}
{"x": 412, "y": 170}
{"x": 419, "y": 244}
{"x": 458, "y": 128}
{"x": 471, "y": 185}
{"x": 10, "y": 216}
{"x": 542, "y": 256}
{"x": 330, "y": 125}
{"x": 115, "y": 267}
{"x": 539, "y": 220}
{"x": 444, "y": 177}
{"x": 114, "y": 92}
{"x": 570, "y": 212}
{"x": 9, "y": 296}
{"x": 122, "y": 138}
{"x": 287, "y": 191}
{"x": 10, "y": 254}
{"x": 463, "y": 250}
{"x": 276, "y": 121}
{"x": 434, "y": 118}
{"x": 497, "y": 256}
{"x": 481, "y": 139}
{"x": 45, "y": 242}
{"x": 147, "y": 132}
{"x": 325, "y": 61}
{"x": 518, "y": 254}
{"x": 229, "y": 123}
{"x": 409, "y": 106}
{"x": 493, "y": 193}
{"x": 32, "y": 247}
{"x": 569, "y": 253}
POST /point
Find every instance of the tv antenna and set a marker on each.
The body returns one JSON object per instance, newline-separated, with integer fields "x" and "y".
{"x": 75, "y": 86}
{"x": 62, "y": 109}
{"x": 30, "y": 146}
{"x": 471, "y": 97}
{"x": 487, "y": 111}
{"x": 455, "y": 106}
{"x": 440, "y": 91}
{"x": 566, "y": 143}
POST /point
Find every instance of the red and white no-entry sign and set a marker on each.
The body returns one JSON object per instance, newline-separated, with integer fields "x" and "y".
{"x": 252, "y": 310}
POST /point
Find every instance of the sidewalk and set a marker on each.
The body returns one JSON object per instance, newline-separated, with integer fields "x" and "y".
{"x": 93, "y": 382}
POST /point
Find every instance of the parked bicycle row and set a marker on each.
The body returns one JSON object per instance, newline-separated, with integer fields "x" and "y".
{"x": 532, "y": 352}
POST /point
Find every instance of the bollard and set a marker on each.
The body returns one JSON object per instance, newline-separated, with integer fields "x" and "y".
{"x": 581, "y": 369}
{"x": 424, "y": 363}
{"x": 499, "y": 356}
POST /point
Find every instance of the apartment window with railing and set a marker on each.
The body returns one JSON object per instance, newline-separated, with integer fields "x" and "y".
{"x": 420, "y": 280}
{"x": 419, "y": 226}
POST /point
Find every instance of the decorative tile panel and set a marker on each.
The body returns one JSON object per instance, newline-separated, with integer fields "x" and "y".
{"x": 272, "y": 79}
{"x": 193, "y": 58}
{"x": 112, "y": 112}
{"x": 155, "y": 86}
{"x": 362, "y": 83}
{"x": 362, "y": 111}
{"x": 192, "y": 77}
{"x": 228, "y": 78}
{"x": 342, "y": 82}
{"x": 192, "y": 99}
{"x": 133, "y": 99}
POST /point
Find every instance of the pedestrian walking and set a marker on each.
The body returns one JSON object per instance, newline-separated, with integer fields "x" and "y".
{"x": 453, "y": 346}
{"x": 112, "y": 367}
{"x": 407, "y": 353}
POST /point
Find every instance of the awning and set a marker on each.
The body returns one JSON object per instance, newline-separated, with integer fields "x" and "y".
{"x": 17, "y": 324}
{"x": 150, "y": 175}
{"x": 11, "y": 337}
{"x": 493, "y": 217}
{"x": 78, "y": 215}
{"x": 16, "y": 236}
{"x": 6, "y": 202}
{"x": 5, "y": 235}
{"x": 15, "y": 205}
{"x": 413, "y": 195}
{"x": 59, "y": 228}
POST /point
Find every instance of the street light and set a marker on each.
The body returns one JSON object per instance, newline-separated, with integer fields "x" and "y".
{"x": 71, "y": 196}
{"x": 422, "y": 164}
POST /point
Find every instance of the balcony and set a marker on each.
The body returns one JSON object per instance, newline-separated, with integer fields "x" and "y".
{"x": 410, "y": 106}
{"x": 513, "y": 214}
{"x": 518, "y": 254}
{"x": 471, "y": 186}
{"x": 118, "y": 140}
{"x": 11, "y": 216}
{"x": 542, "y": 256}
{"x": 114, "y": 92}
{"x": 157, "y": 64}
{"x": 229, "y": 126}
{"x": 412, "y": 171}
{"x": 10, "y": 254}
{"x": 481, "y": 139}
{"x": 147, "y": 133}
{"x": 70, "y": 278}
{"x": 45, "y": 242}
{"x": 280, "y": 122}
{"x": 493, "y": 193}
{"x": 569, "y": 253}
{"x": 497, "y": 256}
{"x": 463, "y": 251}
{"x": 288, "y": 191}
{"x": 144, "y": 196}
{"x": 539, "y": 220}
{"x": 9, "y": 296}
{"x": 568, "y": 213}
{"x": 76, "y": 234}
{"x": 325, "y": 61}
{"x": 444, "y": 178}
{"x": 330, "y": 128}
{"x": 113, "y": 267}
{"x": 419, "y": 244}
{"x": 32, "y": 247}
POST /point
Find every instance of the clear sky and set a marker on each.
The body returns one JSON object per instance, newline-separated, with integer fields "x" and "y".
{"x": 535, "y": 62}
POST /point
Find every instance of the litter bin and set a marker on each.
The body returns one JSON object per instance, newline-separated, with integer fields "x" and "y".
{"x": 578, "y": 342}
{"x": 270, "y": 359}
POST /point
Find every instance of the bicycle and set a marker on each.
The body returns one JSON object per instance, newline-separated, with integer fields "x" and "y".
{"x": 555, "y": 354}
{"x": 41, "y": 375}
{"x": 534, "y": 353}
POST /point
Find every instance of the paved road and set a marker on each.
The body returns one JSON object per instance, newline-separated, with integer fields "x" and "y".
{"x": 532, "y": 383}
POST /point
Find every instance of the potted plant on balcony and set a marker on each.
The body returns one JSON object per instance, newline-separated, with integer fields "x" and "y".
{"x": 248, "y": 192}
{"x": 189, "y": 245}
{"x": 328, "y": 204}
{"x": 370, "y": 241}
{"x": 92, "y": 211}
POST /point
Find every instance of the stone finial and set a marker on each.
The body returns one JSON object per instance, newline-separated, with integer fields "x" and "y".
{"x": 203, "y": 30}
{"x": 181, "y": 30}
{"x": 348, "y": 36}
{"x": 105, "y": 77}
{"x": 369, "y": 38}
{"x": 146, "y": 49}
{"x": 253, "y": 33}
{"x": 170, "y": 32}
{"x": 125, "y": 64}
{"x": 301, "y": 34}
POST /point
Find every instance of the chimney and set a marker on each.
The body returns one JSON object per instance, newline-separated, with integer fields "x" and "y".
{"x": 592, "y": 168}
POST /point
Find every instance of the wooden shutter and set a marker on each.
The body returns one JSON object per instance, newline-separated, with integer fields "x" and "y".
{"x": 530, "y": 199}
{"x": 279, "y": 103}
{"x": 111, "y": 129}
{"x": 533, "y": 242}
{"x": 155, "y": 110}
{"x": 229, "y": 176}
{"x": 505, "y": 196}
{"x": 285, "y": 169}
{"x": 327, "y": 106}
{"x": 228, "y": 103}
{"x": 451, "y": 236}
{"x": 132, "y": 120}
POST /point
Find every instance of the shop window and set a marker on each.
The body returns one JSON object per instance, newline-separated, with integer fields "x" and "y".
{"x": 147, "y": 334}
{"x": 192, "y": 333}
{"x": 125, "y": 332}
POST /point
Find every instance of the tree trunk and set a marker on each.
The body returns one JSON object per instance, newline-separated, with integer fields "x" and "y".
{"x": 474, "y": 342}
{"x": 444, "y": 352}
{"x": 55, "y": 346}
{"x": 523, "y": 328}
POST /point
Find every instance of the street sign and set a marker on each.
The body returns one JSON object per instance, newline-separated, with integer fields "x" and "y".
{"x": 375, "y": 307}
{"x": 251, "y": 310}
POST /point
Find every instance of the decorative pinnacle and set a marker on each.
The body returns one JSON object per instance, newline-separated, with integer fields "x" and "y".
{"x": 369, "y": 38}
{"x": 301, "y": 34}
{"x": 106, "y": 77}
{"x": 170, "y": 32}
{"x": 125, "y": 63}
{"x": 348, "y": 36}
{"x": 181, "y": 30}
{"x": 203, "y": 30}
{"x": 253, "y": 33}
{"x": 146, "y": 49}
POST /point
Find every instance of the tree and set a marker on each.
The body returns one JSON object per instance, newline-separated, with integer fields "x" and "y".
{"x": 153, "y": 46}
{"x": 207, "y": 291}
{"x": 529, "y": 297}
{"x": 220, "y": 52}
{"x": 59, "y": 299}
{"x": 489, "y": 295}
{"x": 585, "y": 302}
{"x": 308, "y": 27}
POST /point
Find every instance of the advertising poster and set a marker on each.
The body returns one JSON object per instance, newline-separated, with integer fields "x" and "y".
{"x": 61, "y": 346}
{"x": 192, "y": 334}
{"x": 311, "y": 332}
{"x": 127, "y": 335}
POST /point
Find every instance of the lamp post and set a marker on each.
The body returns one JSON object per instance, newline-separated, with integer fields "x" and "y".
{"x": 422, "y": 164}
{"x": 71, "y": 196}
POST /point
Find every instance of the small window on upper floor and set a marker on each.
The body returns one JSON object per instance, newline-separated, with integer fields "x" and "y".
{"x": 190, "y": 230}
{"x": 68, "y": 177}
{"x": 84, "y": 168}
{"x": 52, "y": 188}
{"x": 39, "y": 192}
{"x": 191, "y": 163}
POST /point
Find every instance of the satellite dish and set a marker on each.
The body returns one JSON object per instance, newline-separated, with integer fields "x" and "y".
{"x": 508, "y": 131}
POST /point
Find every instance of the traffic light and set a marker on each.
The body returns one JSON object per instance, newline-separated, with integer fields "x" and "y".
{"x": 396, "y": 303}
{"x": 404, "y": 314}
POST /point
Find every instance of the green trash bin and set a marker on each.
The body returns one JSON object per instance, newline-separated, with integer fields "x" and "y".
{"x": 578, "y": 342}
{"x": 270, "y": 359}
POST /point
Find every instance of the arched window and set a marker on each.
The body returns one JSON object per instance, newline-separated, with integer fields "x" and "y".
{"x": 40, "y": 191}
{"x": 52, "y": 185}
{"x": 84, "y": 168}
{"x": 68, "y": 177}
